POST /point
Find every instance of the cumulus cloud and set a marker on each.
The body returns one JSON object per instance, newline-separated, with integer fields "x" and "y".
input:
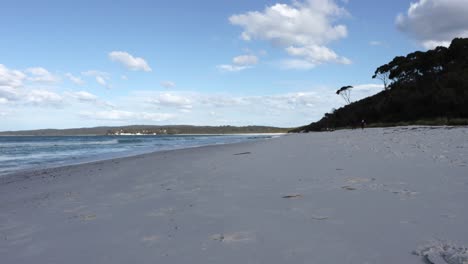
{"x": 239, "y": 63}
{"x": 43, "y": 98}
{"x": 74, "y": 79}
{"x": 11, "y": 78}
{"x": 168, "y": 84}
{"x": 316, "y": 54}
{"x": 13, "y": 90}
{"x": 129, "y": 61}
{"x": 36, "y": 97}
{"x": 306, "y": 26}
{"x": 8, "y": 93}
{"x": 39, "y": 74}
{"x": 435, "y": 22}
{"x": 119, "y": 115}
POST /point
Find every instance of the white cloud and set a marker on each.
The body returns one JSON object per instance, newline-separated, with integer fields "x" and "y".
{"x": 84, "y": 96}
{"x": 39, "y": 74}
{"x": 435, "y": 22}
{"x": 10, "y": 93}
{"x": 124, "y": 77}
{"x": 220, "y": 101}
{"x": 101, "y": 77}
{"x": 132, "y": 63}
{"x": 375, "y": 43}
{"x": 101, "y": 81}
{"x": 307, "y": 26}
{"x": 361, "y": 91}
{"x": 119, "y": 115}
{"x": 231, "y": 68}
{"x": 75, "y": 79}
{"x": 11, "y": 78}
{"x": 13, "y": 90}
{"x": 42, "y": 98}
{"x": 244, "y": 60}
{"x": 370, "y": 87}
{"x": 171, "y": 100}
{"x": 316, "y": 54}
{"x": 168, "y": 84}
{"x": 239, "y": 63}
{"x": 287, "y": 109}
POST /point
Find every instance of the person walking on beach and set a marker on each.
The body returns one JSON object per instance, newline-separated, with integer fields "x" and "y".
{"x": 363, "y": 124}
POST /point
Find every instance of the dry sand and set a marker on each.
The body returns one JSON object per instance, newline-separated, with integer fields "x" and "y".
{"x": 396, "y": 195}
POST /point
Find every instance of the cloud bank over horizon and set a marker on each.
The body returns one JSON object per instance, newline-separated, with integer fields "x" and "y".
{"x": 20, "y": 97}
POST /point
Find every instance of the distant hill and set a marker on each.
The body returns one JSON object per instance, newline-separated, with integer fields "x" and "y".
{"x": 421, "y": 88}
{"x": 147, "y": 130}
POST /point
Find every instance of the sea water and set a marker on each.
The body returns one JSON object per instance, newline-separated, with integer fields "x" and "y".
{"x": 34, "y": 152}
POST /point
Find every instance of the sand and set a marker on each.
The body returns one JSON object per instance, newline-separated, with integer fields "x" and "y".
{"x": 395, "y": 195}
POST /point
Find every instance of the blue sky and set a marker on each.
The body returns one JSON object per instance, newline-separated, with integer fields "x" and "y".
{"x": 88, "y": 63}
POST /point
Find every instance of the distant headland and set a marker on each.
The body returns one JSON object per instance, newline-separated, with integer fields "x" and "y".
{"x": 147, "y": 130}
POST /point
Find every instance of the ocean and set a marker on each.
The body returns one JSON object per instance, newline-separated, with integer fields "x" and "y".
{"x": 19, "y": 153}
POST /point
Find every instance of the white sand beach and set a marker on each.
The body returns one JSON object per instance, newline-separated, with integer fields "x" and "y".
{"x": 382, "y": 195}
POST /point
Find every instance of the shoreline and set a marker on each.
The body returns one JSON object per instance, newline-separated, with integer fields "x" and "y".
{"x": 98, "y": 135}
{"x": 129, "y": 153}
{"x": 110, "y": 157}
{"x": 372, "y": 196}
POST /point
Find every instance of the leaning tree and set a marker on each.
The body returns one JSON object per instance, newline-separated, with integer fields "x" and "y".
{"x": 345, "y": 93}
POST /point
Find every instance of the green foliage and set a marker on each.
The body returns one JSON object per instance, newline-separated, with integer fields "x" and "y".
{"x": 421, "y": 86}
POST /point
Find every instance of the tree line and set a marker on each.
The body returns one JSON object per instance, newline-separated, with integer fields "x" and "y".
{"x": 430, "y": 85}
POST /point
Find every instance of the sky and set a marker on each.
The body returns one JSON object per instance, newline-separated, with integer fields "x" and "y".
{"x": 67, "y": 64}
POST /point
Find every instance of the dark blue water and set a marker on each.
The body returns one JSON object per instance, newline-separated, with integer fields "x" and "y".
{"x": 22, "y": 153}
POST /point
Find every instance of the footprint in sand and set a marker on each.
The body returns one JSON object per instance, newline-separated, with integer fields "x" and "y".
{"x": 80, "y": 212}
{"x": 404, "y": 192}
{"x": 88, "y": 217}
{"x": 149, "y": 240}
{"x": 74, "y": 210}
{"x": 162, "y": 212}
{"x": 233, "y": 237}
{"x": 319, "y": 217}
{"x": 359, "y": 180}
